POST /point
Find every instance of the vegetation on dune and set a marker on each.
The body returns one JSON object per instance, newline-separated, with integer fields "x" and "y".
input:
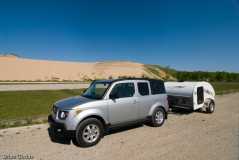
{"x": 158, "y": 72}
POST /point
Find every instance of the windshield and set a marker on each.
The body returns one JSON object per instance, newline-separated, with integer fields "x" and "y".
{"x": 96, "y": 90}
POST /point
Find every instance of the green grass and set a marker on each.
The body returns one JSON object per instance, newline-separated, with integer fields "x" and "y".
{"x": 226, "y": 87}
{"x": 29, "y": 106}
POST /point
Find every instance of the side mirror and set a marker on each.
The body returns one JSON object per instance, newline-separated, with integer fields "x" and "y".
{"x": 113, "y": 96}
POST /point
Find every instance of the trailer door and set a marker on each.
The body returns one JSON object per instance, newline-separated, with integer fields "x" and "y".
{"x": 200, "y": 95}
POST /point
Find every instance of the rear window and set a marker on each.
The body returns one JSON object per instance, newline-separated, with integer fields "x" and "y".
{"x": 143, "y": 88}
{"x": 157, "y": 87}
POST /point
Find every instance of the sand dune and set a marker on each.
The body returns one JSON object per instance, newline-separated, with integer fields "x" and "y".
{"x": 16, "y": 69}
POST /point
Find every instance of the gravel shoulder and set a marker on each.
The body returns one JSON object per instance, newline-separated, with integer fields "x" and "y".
{"x": 184, "y": 136}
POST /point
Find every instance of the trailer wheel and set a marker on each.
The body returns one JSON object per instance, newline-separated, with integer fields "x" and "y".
{"x": 211, "y": 107}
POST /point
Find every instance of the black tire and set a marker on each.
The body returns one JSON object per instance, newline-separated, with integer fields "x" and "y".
{"x": 211, "y": 107}
{"x": 78, "y": 140}
{"x": 154, "y": 121}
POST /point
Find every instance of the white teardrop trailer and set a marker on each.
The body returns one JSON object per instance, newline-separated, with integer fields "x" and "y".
{"x": 191, "y": 95}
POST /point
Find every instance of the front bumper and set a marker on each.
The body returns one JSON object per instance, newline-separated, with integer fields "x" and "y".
{"x": 58, "y": 128}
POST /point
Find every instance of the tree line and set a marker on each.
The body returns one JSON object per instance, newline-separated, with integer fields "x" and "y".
{"x": 221, "y": 76}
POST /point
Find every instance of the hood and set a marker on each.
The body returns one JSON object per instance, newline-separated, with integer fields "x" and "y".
{"x": 69, "y": 103}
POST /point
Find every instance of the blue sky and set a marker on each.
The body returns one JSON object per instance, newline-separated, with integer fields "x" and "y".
{"x": 184, "y": 34}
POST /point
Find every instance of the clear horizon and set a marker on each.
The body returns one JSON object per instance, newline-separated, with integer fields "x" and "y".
{"x": 186, "y": 35}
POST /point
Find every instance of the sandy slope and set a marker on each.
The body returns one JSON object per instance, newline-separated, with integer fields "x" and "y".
{"x": 195, "y": 136}
{"x": 14, "y": 68}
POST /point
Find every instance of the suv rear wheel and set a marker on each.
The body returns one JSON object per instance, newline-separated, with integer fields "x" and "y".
{"x": 88, "y": 133}
{"x": 158, "y": 117}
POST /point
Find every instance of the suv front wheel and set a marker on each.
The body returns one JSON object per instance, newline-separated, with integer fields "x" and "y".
{"x": 88, "y": 133}
{"x": 158, "y": 117}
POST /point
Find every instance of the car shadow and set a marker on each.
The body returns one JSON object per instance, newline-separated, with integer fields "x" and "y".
{"x": 180, "y": 111}
{"x": 67, "y": 140}
{"x": 58, "y": 138}
{"x": 116, "y": 130}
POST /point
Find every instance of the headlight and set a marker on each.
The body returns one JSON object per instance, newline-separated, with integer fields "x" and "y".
{"x": 63, "y": 114}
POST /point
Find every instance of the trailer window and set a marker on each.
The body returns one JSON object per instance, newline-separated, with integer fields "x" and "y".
{"x": 157, "y": 87}
{"x": 143, "y": 88}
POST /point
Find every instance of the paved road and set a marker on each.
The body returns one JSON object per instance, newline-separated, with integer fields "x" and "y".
{"x": 43, "y": 86}
{"x": 194, "y": 136}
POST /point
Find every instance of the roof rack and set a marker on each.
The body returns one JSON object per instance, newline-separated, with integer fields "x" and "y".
{"x": 123, "y": 79}
{"x": 149, "y": 79}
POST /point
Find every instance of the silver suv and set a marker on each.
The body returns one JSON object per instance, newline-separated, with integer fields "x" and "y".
{"x": 109, "y": 103}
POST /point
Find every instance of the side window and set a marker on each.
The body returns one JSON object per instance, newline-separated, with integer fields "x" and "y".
{"x": 123, "y": 90}
{"x": 157, "y": 87}
{"x": 143, "y": 88}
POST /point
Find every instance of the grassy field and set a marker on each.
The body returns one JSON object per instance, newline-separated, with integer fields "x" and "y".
{"x": 28, "y": 107}
{"x": 19, "y": 108}
{"x": 225, "y": 87}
